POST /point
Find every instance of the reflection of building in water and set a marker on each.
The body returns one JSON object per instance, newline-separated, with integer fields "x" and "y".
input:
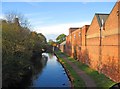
{"x": 50, "y": 55}
{"x": 39, "y": 65}
{"x": 44, "y": 60}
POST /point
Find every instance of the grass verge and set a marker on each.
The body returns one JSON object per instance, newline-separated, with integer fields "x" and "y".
{"x": 76, "y": 81}
{"x": 100, "y": 79}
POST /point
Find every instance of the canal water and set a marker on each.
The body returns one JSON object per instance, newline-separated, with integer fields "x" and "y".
{"x": 51, "y": 73}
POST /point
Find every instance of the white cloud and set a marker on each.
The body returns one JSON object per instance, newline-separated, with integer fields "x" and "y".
{"x": 38, "y": 21}
{"x": 2, "y": 16}
{"x": 58, "y": 28}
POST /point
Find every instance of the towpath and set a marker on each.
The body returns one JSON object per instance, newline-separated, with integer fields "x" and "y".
{"x": 89, "y": 82}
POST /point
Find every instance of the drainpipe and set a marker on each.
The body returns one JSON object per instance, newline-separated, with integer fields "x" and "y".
{"x": 71, "y": 44}
{"x": 100, "y": 36}
{"x": 100, "y": 51}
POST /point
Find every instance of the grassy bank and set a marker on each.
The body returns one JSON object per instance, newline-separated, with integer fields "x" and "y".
{"x": 74, "y": 77}
{"x": 100, "y": 79}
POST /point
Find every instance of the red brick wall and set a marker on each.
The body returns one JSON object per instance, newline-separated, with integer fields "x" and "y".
{"x": 71, "y": 42}
{"x": 94, "y": 27}
{"x": 83, "y": 33}
{"x": 76, "y": 42}
{"x": 109, "y": 62}
{"x": 72, "y": 30}
{"x": 119, "y": 37}
{"x": 112, "y": 19}
{"x": 109, "y": 53}
{"x": 83, "y": 55}
{"x": 119, "y": 15}
{"x": 93, "y": 33}
{"x": 111, "y": 28}
{"x": 104, "y": 58}
{"x": 68, "y": 45}
{"x": 91, "y": 54}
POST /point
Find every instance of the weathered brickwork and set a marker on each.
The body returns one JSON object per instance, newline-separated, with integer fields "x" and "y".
{"x": 68, "y": 45}
{"x": 109, "y": 51}
{"x": 98, "y": 45}
{"x": 76, "y": 42}
{"x": 84, "y": 33}
{"x": 119, "y": 37}
{"x": 70, "y": 42}
{"x": 83, "y": 55}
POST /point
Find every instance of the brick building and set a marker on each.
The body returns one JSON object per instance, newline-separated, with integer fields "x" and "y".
{"x": 63, "y": 46}
{"x": 110, "y": 59}
{"x": 82, "y": 55}
{"x": 98, "y": 45}
{"x": 94, "y": 40}
{"x": 69, "y": 44}
{"x": 75, "y": 41}
{"x": 102, "y": 43}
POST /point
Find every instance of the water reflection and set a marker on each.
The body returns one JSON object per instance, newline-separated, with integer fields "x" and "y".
{"x": 49, "y": 73}
{"x": 38, "y": 65}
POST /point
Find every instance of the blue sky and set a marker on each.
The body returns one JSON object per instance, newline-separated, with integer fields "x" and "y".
{"x": 54, "y": 18}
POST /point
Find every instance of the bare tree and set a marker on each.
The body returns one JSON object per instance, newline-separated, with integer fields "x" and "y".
{"x": 10, "y": 16}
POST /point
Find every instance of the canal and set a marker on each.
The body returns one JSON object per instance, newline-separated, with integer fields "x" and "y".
{"x": 50, "y": 73}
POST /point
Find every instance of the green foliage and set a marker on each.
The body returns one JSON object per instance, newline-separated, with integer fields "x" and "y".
{"x": 77, "y": 80}
{"x": 51, "y": 42}
{"x": 17, "y": 46}
{"x": 61, "y": 38}
{"x": 100, "y": 79}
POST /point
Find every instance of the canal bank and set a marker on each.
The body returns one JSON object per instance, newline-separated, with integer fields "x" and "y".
{"x": 76, "y": 70}
{"x": 71, "y": 79}
{"x": 76, "y": 81}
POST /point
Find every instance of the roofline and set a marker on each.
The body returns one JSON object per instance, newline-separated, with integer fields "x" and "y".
{"x": 98, "y": 14}
{"x": 101, "y": 14}
{"x": 74, "y": 28}
{"x": 84, "y": 26}
{"x": 114, "y": 6}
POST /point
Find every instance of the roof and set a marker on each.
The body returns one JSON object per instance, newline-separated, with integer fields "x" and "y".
{"x": 74, "y": 28}
{"x": 63, "y": 43}
{"x": 101, "y": 18}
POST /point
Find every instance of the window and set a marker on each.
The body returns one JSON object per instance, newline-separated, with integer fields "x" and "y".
{"x": 102, "y": 22}
{"x": 74, "y": 36}
{"x": 79, "y": 34}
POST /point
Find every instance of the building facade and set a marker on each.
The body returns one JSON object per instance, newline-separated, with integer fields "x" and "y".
{"x": 70, "y": 42}
{"x": 98, "y": 44}
{"x": 63, "y": 46}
